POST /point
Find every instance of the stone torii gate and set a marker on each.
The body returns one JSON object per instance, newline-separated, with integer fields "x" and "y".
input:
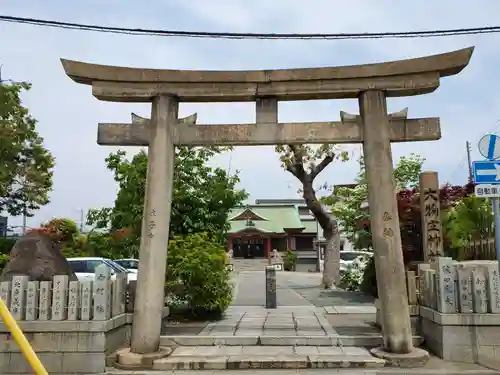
{"x": 371, "y": 84}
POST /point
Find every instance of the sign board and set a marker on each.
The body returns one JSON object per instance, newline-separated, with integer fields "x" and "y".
{"x": 489, "y": 146}
{"x": 487, "y": 191}
{"x": 486, "y": 172}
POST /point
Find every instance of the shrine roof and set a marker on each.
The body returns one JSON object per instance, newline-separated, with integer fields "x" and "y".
{"x": 266, "y": 218}
{"x": 311, "y": 226}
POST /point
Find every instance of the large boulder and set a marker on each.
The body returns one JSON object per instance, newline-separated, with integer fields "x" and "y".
{"x": 38, "y": 257}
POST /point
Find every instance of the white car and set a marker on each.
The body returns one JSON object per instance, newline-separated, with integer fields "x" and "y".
{"x": 349, "y": 256}
{"x": 131, "y": 265}
{"x": 84, "y": 268}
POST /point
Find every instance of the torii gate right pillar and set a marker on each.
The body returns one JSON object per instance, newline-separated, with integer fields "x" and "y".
{"x": 384, "y": 218}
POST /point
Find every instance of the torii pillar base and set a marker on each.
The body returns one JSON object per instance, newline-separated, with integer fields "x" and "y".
{"x": 416, "y": 358}
{"x": 127, "y": 360}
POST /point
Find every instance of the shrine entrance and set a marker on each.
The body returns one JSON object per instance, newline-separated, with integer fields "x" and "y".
{"x": 249, "y": 247}
{"x": 371, "y": 85}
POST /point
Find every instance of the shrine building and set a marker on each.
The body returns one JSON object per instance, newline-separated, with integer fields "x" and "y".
{"x": 281, "y": 224}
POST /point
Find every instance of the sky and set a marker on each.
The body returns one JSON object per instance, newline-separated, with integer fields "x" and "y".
{"x": 468, "y": 103}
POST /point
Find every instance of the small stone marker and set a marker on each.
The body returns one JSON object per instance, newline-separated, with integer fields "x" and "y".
{"x": 434, "y": 289}
{"x": 493, "y": 288}
{"x": 446, "y": 275}
{"x": 423, "y": 287}
{"x": 86, "y": 300}
{"x": 5, "y": 292}
{"x": 430, "y": 285}
{"x": 102, "y": 291}
{"x": 131, "y": 289}
{"x": 429, "y": 296}
{"x": 271, "y": 299}
{"x": 465, "y": 288}
{"x": 411, "y": 284}
{"x": 44, "y": 309}
{"x": 18, "y": 297}
{"x": 118, "y": 303}
{"x": 32, "y": 300}
{"x": 74, "y": 300}
{"x": 60, "y": 297}
{"x": 479, "y": 297}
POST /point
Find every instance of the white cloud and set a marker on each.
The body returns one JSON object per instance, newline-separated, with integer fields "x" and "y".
{"x": 68, "y": 113}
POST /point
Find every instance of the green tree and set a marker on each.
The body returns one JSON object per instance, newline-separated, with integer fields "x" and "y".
{"x": 201, "y": 200}
{"x": 26, "y": 167}
{"x": 306, "y": 162}
{"x": 470, "y": 219}
{"x": 350, "y": 205}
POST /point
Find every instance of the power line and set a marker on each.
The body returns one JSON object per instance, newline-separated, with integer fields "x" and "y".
{"x": 230, "y": 35}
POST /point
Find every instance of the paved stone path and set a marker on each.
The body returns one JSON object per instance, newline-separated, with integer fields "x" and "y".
{"x": 310, "y": 329}
{"x": 251, "y": 289}
{"x": 295, "y": 321}
{"x": 293, "y": 289}
{"x": 270, "y": 323}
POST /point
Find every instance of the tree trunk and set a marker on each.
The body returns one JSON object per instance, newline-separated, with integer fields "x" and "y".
{"x": 331, "y": 270}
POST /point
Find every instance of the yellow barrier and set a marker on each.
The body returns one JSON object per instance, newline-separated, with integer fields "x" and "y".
{"x": 21, "y": 340}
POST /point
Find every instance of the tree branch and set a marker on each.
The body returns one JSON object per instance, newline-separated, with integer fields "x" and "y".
{"x": 296, "y": 167}
{"x": 321, "y": 166}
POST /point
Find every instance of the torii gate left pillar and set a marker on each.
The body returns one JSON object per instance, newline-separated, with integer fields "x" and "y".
{"x": 155, "y": 225}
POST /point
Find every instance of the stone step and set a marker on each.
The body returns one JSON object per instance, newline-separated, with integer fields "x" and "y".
{"x": 265, "y": 340}
{"x": 266, "y": 357}
{"x": 241, "y": 265}
{"x": 324, "y": 371}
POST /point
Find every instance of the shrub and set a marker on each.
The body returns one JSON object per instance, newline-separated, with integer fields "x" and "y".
{"x": 289, "y": 260}
{"x": 353, "y": 277}
{"x": 6, "y": 245}
{"x": 198, "y": 264}
{"x": 369, "y": 283}
{"x": 3, "y": 261}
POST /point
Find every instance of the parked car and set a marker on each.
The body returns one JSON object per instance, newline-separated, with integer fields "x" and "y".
{"x": 84, "y": 268}
{"x": 349, "y": 256}
{"x": 131, "y": 265}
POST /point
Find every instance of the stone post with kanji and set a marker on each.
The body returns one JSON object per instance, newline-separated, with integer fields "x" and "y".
{"x": 432, "y": 234}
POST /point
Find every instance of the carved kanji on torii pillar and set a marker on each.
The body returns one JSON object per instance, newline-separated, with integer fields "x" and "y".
{"x": 370, "y": 84}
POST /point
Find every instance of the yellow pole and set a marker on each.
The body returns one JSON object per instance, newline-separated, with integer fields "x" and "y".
{"x": 21, "y": 340}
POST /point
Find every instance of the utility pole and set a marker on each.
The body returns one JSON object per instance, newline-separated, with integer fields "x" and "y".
{"x": 469, "y": 163}
{"x": 82, "y": 216}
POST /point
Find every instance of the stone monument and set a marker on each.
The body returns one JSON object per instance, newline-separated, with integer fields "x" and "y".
{"x": 432, "y": 235}
{"x": 38, "y": 257}
{"x": 371, "y": 84}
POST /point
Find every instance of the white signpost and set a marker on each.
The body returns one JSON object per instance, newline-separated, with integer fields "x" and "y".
{"x": 487, "y": 179}
{"x": 487, "y": 191}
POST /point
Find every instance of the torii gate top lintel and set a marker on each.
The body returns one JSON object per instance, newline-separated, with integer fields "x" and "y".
{"x": 397, "y": 78}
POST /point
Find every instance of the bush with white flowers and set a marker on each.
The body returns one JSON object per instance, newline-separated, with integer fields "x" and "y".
{"x": 353, "y": 276}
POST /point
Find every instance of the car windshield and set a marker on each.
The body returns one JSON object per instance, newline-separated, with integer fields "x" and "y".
{"x": 349, "y": 256}
{"x": 131, "y": 264}
{"x": 116, "y": 267}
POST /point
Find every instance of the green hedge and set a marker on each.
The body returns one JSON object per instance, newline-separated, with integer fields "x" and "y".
{"x": 369, "y": 283}
{"x": 198, "y": 275}
{"x": 6, "y": 245}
